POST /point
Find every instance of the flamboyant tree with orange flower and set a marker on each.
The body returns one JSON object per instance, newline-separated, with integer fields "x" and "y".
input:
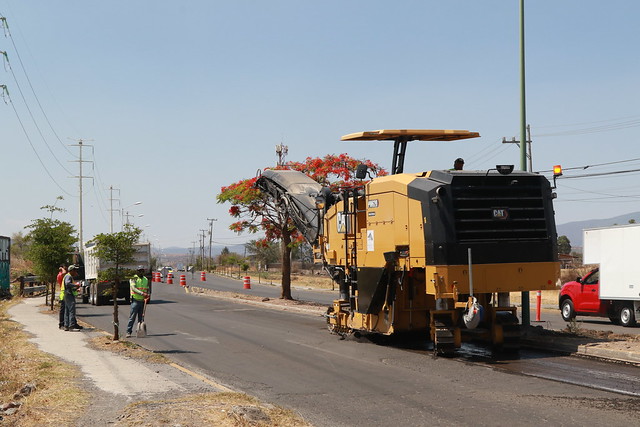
{"x": 259, "y": 212}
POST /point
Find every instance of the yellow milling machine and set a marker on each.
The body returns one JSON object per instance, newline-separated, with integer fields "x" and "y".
{"x": 434, "y": 252}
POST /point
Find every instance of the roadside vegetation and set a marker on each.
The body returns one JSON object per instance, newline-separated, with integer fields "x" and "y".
{"x": 43, "y": 389}
{"x": 38, "y": 389}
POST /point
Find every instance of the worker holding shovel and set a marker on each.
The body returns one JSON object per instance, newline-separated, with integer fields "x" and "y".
{"x": 139, "y": 286}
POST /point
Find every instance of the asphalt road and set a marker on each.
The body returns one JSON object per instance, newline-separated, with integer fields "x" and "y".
{"x": 290, "y": 359}
{"x": 550, "y": 317}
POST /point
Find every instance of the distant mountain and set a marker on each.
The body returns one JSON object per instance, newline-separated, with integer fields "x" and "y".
{"x": 174, "y": 250}
{"x": 215, "y": 250}
{"x": 573, "y": 230}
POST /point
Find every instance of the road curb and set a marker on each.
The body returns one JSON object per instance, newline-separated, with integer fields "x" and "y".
{"x": 592, "y": 350}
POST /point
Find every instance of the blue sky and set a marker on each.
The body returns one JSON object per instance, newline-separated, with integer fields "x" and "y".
{"x": 181, "y": 98}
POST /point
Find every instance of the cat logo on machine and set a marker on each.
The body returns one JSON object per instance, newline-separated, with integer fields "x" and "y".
{"x": 500, "y": 214}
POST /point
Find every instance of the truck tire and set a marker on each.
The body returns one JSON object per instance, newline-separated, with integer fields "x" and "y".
{"x": 92, "y": 294}
{"x": 567, "y": 311}
{"x": 615, "y": 319}
{"x": 627, "y": 317}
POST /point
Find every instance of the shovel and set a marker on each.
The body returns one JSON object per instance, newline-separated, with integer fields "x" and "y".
{"x": 141, "y": 330}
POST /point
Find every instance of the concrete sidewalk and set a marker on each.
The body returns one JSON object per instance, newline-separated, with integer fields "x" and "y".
{"x": 109, "y": 372}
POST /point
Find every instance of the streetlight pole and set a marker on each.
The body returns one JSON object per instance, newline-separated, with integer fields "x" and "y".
{"x": 123, "y": 215}
{"x": 526, "y": 315}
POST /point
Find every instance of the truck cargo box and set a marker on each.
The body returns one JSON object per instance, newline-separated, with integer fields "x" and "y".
{"x": 615, "y": 249}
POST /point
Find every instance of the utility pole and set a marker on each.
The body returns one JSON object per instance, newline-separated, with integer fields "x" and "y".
{"x": 513, "y": 140}
{"x": 211, "y": 221}
{"x": 202, "y": 245}
{"x": 281, "y": 151}
{"x": 80, "y": 145}
{"x": 111, "y": 199}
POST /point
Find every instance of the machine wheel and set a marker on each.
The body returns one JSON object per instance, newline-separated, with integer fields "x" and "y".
{"x": 627, "y": 317}
{"x": 567, "y": 311}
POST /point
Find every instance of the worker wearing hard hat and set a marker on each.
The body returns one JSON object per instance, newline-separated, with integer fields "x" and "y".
{"x": 140, "y": 291}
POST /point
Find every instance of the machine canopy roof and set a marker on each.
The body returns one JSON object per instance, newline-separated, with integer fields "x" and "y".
{"x": 410, "y": 135}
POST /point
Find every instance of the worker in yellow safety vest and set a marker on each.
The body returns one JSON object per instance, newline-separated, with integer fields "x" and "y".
{"x": 140, "y": 291}
{"x": 62, "y": 271}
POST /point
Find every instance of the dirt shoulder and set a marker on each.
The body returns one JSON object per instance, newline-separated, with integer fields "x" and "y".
{"x": 84, "y": 378}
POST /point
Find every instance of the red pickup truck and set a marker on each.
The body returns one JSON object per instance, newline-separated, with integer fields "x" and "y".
{"x": 582, "y": 297}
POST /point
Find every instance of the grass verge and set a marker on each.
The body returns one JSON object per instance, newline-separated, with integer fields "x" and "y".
{"x": 214, "y": 409}
{"x": 57, "y": 398}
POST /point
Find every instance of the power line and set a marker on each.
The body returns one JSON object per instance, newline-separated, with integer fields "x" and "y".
{"x": 595, "y": 165}
{"x": 595, "y": 129}
{"x": 591, "y": 175}
{"x": 24, "y": 70}
{"x": 35, "y": 123}
{"x": 26, "y": 134}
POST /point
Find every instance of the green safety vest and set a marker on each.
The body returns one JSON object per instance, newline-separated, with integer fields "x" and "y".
{"x": 141, "y": 284}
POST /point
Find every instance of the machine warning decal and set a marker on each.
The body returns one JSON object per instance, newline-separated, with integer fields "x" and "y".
{"x": 370, "y": 241}
{"x": 500, "y": 214}
{"x": 372, "y": 203}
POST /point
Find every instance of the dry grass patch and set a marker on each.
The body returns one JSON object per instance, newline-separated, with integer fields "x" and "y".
{"x": 57, "y": 397}
{"x": 549, "y": 297}
{"x": 126, "y": 349}
{"x": 215, "y": 409}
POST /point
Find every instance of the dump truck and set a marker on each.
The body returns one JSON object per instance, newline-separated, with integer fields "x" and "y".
{"x": 98, "y": 291}
{"x": 432, "y": 252}
{"x": 613, "y": 288}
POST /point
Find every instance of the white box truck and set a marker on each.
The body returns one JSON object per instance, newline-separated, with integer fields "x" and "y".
{"x": 99, "y": 292}
{"x": 612, "y": 289}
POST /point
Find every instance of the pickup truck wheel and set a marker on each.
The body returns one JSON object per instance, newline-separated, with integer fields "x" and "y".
{"x": 627, "y": 318}
{"x": 567, "y": 311}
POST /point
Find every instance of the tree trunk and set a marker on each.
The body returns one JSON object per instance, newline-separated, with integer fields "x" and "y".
{"x": 286, "y": 265}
